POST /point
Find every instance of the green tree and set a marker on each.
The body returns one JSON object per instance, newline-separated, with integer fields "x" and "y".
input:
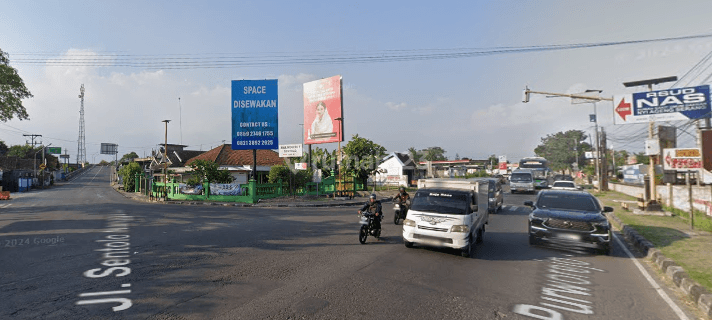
{"x": 206, "y": 169}
{"x": 414, "y": 154}
{"x": 324, "y": 161}
{"x": 104, "y": 163}
{"x": 562, "y": 149}
{"x": 129, "y": 157}
{"x": 493, "y": 161}
{"x": 362, "y": 157}
{"x": 435, "y": 154}
{"x": 24, "y": 151}
{"x": 128, "y": 175}
{"x": 279, "y": 172}
{"x": 12, "y": 91}
{"x": 641, "y": 158}
{"x": 3, "y": 148}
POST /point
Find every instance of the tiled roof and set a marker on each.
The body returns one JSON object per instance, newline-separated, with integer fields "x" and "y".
{"x": 225, "y": 156}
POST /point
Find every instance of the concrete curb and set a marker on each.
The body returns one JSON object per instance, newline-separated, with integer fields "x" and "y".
{"x": 333, "y": 203}
{"x": 678, "y": 275}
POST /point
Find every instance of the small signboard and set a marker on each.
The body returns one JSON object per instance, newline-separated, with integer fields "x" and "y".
{"x": 300, "y": 166}
{"x": 502, "y": 159}
{"x": 54, "y": 150}
{"x": 64, "y": 156}
{"x": 42, "y": 166}
{"x": 662, "y": 105}
{"x": 682, "y": 159}
{"x": 290, "y": 150}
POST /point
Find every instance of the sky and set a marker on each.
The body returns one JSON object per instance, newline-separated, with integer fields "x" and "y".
{"x": 469, "y": 105}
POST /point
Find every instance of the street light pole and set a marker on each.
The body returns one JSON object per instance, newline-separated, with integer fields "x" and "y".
{"x": 341, "y": 176}
{"x": 165, "y": 153}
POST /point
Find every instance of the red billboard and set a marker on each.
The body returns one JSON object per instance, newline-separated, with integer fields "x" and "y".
{"x": 322, "y": 106}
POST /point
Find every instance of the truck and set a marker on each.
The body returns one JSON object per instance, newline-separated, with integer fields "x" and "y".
{"x": 447, "y": 213}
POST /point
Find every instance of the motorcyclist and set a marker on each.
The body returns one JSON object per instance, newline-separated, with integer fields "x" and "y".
{"x": 402, "y": 198}
{"x": 373, "y": 206}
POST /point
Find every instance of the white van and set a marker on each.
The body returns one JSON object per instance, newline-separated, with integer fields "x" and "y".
{"x": 448, "y": 213}
{"x": 521, "y": 180}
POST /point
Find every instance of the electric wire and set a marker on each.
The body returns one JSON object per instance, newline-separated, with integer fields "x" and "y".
{"x": 208, "y": 61}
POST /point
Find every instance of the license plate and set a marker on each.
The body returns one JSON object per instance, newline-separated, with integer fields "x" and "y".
{"x": 568, "y": 236}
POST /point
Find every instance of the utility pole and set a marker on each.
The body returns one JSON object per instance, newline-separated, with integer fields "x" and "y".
{"x": 603, "y": 179}
{"x": 33, "y": 136}
{"x": 652, "y": 204}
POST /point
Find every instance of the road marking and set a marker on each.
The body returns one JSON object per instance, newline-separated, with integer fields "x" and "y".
{"x": 652, "y": 282}
{"x": 5, "y": 205}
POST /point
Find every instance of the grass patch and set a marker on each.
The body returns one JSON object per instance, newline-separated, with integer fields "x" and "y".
{"x": 671, "y": 235}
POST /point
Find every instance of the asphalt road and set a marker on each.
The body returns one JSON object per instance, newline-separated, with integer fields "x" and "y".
{"x": 83, "y": 251}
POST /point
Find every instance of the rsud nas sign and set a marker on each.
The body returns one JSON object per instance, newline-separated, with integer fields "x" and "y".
{"x": 662, "y": 105}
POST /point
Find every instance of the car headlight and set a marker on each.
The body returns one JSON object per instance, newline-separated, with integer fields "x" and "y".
{"x": 602, "y": 223}
{"x": 408, "y": 223}
{"x": 492, "y": 199}
{"x": 461, "y": 228}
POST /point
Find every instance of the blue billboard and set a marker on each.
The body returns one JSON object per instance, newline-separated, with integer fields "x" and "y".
{"x": 662, "y": 105}
{"x": 254, "y": 114}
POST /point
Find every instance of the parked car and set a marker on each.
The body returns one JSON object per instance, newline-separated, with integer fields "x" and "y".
{"x": 565, "y": 185}
{"x": 569, "y": 218}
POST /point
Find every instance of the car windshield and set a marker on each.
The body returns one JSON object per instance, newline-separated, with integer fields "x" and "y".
{"x": 562, "y": 201}
{"x": 440, "y": 202}
{"x": 564, "y": 184}
{"x": 521, "y": 177}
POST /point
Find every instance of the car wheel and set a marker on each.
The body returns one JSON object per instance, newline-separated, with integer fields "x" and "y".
{"x": 480, "y": 235}
{"x": 533, "y": 240}
{"x": 605, "y": 250}
{"x": 407, "y": 243}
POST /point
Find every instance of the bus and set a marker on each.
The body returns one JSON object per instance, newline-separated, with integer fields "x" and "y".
{"x": 541, "y": 172}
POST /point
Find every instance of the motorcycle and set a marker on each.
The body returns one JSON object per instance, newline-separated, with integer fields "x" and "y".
{"x": 401, "y": 211}
{"x": 367, "y": 227}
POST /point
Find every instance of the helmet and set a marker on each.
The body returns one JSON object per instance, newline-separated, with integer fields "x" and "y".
{"x": 373, "y": 196}
{"x": 401, "y": 189}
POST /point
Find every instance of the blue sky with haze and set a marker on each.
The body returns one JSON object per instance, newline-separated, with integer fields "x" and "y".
{"x": 468, "y": 106}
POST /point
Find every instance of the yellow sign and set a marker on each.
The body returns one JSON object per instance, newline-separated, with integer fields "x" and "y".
{"x": 42, "y": 166}
{"x": 687, "y": 153}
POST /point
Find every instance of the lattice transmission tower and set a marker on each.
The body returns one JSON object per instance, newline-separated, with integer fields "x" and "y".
{"x": 81, "y": 143}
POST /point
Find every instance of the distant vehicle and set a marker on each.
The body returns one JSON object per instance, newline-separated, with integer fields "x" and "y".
{"x": 448, "y": 213}
{"x": 521, "y": 180}
{"x": 563, "y": 177}
{"x": 539, "y": 167}
{"x": 495, "y": 195}
{"x": 569, "y": 219}
{"x": 565, "y": 185}
{"x": 502, "y": 179}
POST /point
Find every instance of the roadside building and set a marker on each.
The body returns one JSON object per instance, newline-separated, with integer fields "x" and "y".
{"x": 239, "y": 162}
{"x": 397, "y": 169}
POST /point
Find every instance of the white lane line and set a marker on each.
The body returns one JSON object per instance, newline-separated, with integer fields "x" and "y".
{"x": 652, "y": 282}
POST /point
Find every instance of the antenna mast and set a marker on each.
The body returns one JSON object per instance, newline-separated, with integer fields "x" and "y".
{"x": 81, "y": 143}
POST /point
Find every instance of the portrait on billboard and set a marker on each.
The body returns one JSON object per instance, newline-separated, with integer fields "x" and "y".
{"x": 322, "y": 127}
{"x": 322, "y": 108}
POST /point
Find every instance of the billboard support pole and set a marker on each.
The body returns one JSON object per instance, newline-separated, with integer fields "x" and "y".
{"x": 254, "y": 164}
{"x": 652, "y": 204}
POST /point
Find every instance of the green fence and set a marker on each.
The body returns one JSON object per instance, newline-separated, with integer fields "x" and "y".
{"x": 251, "y": 191}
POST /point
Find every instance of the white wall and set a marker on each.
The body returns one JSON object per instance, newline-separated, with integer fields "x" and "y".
{"x": 701, "y": 196}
